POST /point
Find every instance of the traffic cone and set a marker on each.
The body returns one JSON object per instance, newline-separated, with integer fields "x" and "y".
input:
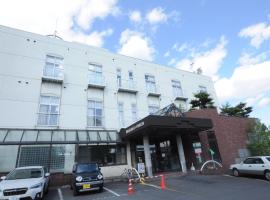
{"x": 162, "y": 182}
{"x": 130, "y": 188}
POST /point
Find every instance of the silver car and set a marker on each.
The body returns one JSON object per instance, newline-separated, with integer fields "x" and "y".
{"x": 257, "y": 165}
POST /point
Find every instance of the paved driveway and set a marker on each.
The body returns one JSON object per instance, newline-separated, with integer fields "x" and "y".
{"x": 191, "y": 187}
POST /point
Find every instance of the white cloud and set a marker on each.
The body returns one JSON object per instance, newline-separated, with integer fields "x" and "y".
{"x": 95, "y": 9}
{"x": 136, "y": 44}
{"x": 167, "y": 54}
{"x": 156, "y": 16}
{"x": 209, "y": 61}
{"x": 41, "y": 16}
{"x": 249, "y": 59}
{"x": 135, "y": 16}
{"x": 257, "y": 33}
{"x": 246, "y": 81}
{"x": 251, "y": 101}
{"x": 264, "y": 102}
{"x": 95, "y": 38}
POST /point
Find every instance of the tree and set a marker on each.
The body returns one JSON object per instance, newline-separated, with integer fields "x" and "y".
{"x": 259, "y": 139}
{"x": 240, "y": 110}
{"x": 202, "y": 100}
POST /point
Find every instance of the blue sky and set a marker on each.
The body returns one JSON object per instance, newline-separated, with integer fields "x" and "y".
{"x": 229, "y": 40}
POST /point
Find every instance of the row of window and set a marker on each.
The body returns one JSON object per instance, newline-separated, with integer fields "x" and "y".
{"x": 49, "y": 110}
{"x": 54, "y": 68}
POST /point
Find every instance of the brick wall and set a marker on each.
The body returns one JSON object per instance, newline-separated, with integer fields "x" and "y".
{"x": 231, "y": 133}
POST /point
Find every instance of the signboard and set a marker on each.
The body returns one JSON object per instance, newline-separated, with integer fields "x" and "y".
{"x": 141, "y": 168}
{"x": 198, "y": 150}
{"x": 211, "y": 152}
{"x": 134, "y": 127}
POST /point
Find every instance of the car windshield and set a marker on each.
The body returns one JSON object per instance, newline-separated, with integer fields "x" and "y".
{"x": 268, "y": 158}
{"x": 24, "y": 174}
{"x": 87, "y": 168}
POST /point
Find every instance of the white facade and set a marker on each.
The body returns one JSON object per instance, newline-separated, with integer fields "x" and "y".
{"x": 23, "y": 82}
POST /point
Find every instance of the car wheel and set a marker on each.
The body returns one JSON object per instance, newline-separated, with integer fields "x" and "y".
{"x": 236, "y": 172}
{"x": 75, "y": 192}
{"x": 267, "y": 175}
{"x": 100, "y": 189}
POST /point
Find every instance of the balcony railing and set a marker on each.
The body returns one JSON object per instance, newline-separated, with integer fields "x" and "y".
{"x": 127, "y": 86}
{"x": 152, "y": 90}
{"x": 96, "y": 81}
{"x": 53, "y": 75}
{"x": 179, "y": 95}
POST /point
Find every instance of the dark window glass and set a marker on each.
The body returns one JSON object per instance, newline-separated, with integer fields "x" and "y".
{"x": 268, "y": 158}
{"x": 258, "y": 161}
{"x": 24, "y": 174}
{"x": 249, "y": 161}
{"x": 104, "y": 155}
{"x": 87, "y": 168}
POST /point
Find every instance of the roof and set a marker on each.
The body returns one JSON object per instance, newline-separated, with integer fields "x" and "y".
{"x": 9, "y": 136}
{"x": 167, "y": 119}
{"x": 30, "y": 167}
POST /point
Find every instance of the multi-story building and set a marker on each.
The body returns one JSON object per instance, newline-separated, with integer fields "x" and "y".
{"x": 64, "y": 102}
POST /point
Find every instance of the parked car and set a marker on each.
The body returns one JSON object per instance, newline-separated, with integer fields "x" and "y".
{"x": 86, "y": 177}
{"x": 25, "y": 183}
{"x": 259, "y": 165}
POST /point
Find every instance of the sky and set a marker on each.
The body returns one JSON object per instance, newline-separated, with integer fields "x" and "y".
{"x": 228, "y": 39}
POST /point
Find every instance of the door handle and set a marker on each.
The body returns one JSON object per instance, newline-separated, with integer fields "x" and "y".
{"x": 262, "y": 165}
{"x": 249, "y": 166}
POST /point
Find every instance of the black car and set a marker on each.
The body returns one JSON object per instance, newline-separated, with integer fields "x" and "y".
{"x": 86, "y": 177}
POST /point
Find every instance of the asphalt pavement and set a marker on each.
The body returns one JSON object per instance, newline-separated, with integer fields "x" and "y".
{"x": 190, "y": 187}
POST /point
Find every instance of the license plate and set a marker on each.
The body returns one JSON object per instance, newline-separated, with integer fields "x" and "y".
{"x": 86, "y": 186}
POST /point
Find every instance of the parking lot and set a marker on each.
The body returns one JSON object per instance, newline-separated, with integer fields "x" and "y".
{"x": 191, "y": 187}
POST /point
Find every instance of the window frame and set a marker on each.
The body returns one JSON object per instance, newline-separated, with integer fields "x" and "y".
{"x": 57, "y": 65}
{"x": 121, "y": 114}
{"x": 49, "y": 113}
{"x": 177, "y": 88}
{"x": 94, "y": 116}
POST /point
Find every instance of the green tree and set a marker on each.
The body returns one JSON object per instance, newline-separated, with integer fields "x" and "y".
{"x": 202, "y": 100}
{"x": 240, "y": 110}
{"x": 259, "y": 139}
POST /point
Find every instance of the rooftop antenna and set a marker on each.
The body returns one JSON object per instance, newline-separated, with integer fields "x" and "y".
{"x": 55, "y": 31}
{"x": 54, "y": 35}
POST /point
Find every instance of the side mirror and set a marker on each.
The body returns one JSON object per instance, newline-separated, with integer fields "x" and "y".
{"x": 3, "y": 177}
{"x": 47, "y": 174}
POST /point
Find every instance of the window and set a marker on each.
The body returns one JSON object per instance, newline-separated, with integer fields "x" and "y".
{"x": 130, "y": 76}
{"x": 121, "y": 114}
{"x": 150, "y": 83}
{"x": 177, "y": 89}
{"x": 53, "y": 66}
{"x": 249, "y": 161}
{"x": 95, "y": 113}
{"x": 268, "y": 158}
{"x": 152, "y": 109}
{"x": 49, "y": 110}
{"x": 104, "y": 155}
{"x": 95, "y": 73}
{"x": 134, "y": 112}
{"x": 202, "y": 88}
{"x": 258, "y": 161}
{"x": 119, "y": 78}
{"x": 39, "y": 156}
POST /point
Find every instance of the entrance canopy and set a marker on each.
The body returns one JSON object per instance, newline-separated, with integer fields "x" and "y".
{"x": 57, "y": 136}
{"x": 170, "y": 119}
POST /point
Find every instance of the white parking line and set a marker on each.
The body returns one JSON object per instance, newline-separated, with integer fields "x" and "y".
{"x": 60, "y": 194}
{"x": 155, "y": 186}
{"x": 116, "y": 194}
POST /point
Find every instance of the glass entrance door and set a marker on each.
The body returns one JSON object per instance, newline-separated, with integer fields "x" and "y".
{"x": 165, "y": 155}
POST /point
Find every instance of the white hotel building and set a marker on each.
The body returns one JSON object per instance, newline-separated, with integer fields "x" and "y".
{"x": 64, "y": 102}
